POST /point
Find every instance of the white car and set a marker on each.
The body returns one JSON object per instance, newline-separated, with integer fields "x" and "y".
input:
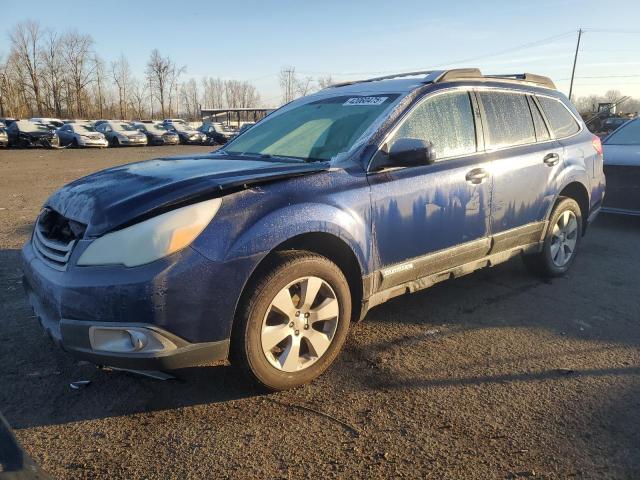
{"x": 121, "y": 133}
{"x": 81, "y": 135}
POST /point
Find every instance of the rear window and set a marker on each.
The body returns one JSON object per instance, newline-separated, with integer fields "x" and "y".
{"x": 507, "y": 118}
{"x": 562, "y": 122}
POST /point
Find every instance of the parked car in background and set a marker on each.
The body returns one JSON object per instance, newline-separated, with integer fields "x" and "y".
{"x": 6, "y": 121}
{"x": 172, "y": 121}
{"x": 243, "y": 128}
{"x": 52, "y": 122}
{"x": 610, "y": 124}
{"x": 81, "y": 135}
{"x": 157, "y": 134}
{"x": 187, "y": 134}
{"x": 120, "y": 133}
{"x": 622, "y": 169}
{"x": 216, "y": 133}
{"x": 265, "y": 250}
{"x": 24, "y": 133}
{"x": 4, "y": 138}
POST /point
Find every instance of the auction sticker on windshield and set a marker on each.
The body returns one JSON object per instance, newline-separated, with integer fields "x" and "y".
{"x": 365, "y": 101}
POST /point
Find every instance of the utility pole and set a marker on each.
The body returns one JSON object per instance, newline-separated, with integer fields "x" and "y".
{"x": 575, "y": 60}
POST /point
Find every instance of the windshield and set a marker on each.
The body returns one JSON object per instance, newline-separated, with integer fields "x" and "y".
{"x": 126, "y": 127}
{"x": 83, "y": 128}
{"x": 628, "y": 134}
{"x": 25, "y": 126}
{"x": 318, "y": 130}
{"x": 181, "y": 127}
{"x": 159, "y": 129}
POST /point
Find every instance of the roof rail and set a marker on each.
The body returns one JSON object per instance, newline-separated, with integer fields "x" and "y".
{"x": 527, "y": 77}
{"x": 439, "y": 76}
{"x": 386, "y": 77}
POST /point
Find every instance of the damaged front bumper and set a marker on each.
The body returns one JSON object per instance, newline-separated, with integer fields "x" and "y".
{"x": 153, "y": 317}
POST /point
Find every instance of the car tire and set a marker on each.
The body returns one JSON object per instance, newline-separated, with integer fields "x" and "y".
{"x": 114, "y": 142}
{"x": 75, "y": 143}
{"x": 561, "y": 241}
{"x": 310, "y": 343}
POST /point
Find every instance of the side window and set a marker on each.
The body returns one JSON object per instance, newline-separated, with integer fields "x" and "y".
{"x": 507, "y": 119}
{"x": 445, "y": 120}
{"x": 562, "y": 122}
{"x": 542, "y": 132}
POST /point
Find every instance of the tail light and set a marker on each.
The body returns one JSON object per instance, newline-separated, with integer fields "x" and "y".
{"x": 597, "y": 144}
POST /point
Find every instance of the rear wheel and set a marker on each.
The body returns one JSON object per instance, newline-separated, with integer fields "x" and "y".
{"x": 561, "y": 241}
{"x": 294, "y": 322}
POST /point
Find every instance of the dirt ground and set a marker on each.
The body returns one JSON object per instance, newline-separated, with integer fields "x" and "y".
{"x": 495, "y": 375}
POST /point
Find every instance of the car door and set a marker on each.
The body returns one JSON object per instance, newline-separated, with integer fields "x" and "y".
{"x": 429, "y": 218}
{"x": 525, "y": 164}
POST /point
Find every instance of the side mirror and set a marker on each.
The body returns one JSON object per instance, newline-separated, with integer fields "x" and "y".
{"x": 408, "y": 152}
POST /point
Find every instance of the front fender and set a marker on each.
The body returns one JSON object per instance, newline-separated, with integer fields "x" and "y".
{"x": 288, "y": 222}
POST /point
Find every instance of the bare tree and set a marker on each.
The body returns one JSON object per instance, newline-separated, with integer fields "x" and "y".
{"x": 25, "y": 42}
{"x": 78, "y": 57}
{"x": 161, "y": 75}
{"x": 190, "y": 99}
{"x": 138, "y": 97}
{"x": 288, "y": 83}
{"x": 174, "y": 83}
{"x": 612, "y": 95}
{"x": 53, "y": 71}
{"x": 99, "y": 72}
{"x": 304, "y": 86}
{"x": 324, "y": 82}
{"x": 213, "y": 92}
{"x": 121, "y": 74}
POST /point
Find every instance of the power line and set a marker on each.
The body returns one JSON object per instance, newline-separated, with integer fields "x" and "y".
{"x": 523, "y": 46}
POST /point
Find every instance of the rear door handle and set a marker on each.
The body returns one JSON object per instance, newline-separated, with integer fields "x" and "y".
{"x": 476, "y": 176}
{"x": 551, "y": 159}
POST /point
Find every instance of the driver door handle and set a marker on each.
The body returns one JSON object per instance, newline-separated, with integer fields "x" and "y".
{"x": 476, "y": 176}
{"x": 551, "y": 159}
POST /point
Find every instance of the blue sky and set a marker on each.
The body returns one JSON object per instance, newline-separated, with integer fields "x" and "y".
{"x": 252, "y": 40}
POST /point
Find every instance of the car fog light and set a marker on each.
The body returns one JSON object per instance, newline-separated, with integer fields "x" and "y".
{"x": 128, "y": 340}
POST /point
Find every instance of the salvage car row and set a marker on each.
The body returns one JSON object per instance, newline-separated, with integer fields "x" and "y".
{"x": 54, "y": 133}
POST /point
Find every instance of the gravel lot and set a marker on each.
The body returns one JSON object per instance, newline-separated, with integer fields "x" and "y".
{"x": 495, "y": 375}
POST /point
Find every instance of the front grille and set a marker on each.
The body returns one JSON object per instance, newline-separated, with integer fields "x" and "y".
{"x": 54, "y": 237}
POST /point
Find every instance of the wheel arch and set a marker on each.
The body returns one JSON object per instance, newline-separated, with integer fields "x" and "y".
{"x": 578, "y": 192}
{"x": 326, "y": 244}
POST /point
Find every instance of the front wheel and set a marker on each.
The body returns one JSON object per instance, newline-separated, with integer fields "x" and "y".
{"x": 561, "y": 241}
{"x": 294, "y": 322}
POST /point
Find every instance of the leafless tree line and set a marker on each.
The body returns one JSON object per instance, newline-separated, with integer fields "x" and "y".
{"x": 49, "y": 74}
{"x": 293, "y": 86}
{"x": 589, "y": 103}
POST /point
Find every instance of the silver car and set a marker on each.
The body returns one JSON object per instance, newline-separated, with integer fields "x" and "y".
{"x": 622, "y": 169}
{"x": 120, "y": 133}
{"x": 81, "y": 135}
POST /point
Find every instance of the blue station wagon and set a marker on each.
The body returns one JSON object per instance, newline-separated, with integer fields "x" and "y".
{"x": 264, "y": 251}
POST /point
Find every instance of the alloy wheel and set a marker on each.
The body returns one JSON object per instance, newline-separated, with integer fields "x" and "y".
{"x": 300, "y": 324}
{"x": 564, "y": 237}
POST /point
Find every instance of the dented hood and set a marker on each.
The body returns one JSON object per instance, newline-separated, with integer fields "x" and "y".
{"x": 112, "y": 198}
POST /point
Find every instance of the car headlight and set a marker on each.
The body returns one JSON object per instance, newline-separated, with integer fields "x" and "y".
{"x": 151, "y": 239}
